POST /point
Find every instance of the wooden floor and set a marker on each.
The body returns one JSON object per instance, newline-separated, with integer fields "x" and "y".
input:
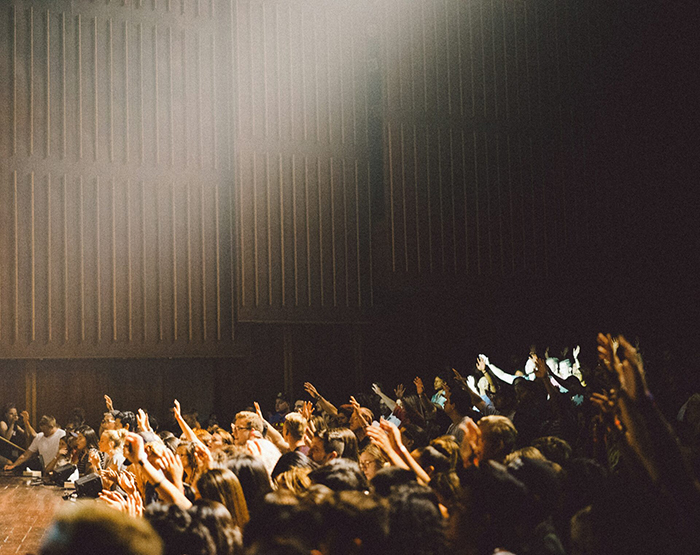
{"x": 25, "y": 513}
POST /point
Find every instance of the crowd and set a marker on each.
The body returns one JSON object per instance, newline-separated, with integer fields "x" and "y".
{"x": 553, "y": 458}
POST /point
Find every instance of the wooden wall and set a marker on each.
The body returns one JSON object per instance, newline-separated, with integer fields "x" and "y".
{"x": 248, "y": 185}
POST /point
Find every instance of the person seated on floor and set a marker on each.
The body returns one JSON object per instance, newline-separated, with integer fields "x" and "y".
{"x": 45, "y": 443}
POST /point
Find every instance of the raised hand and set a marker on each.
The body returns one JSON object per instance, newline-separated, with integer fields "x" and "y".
{"x": 471, "y": 443}
{"x": 25, "y": 416}
{"x": 311, "y": 390}
{"x": 630, "y": 371}
{"x": 109, "y": 403}
{"x": 355, "y": 405}
{"x": 399, "y": 391}
{"x": 392, "y": 433}
{"x": 458, "y": 377}
{"x": 541, "y": 368}
{"x": 134, "y": 504}
{"x": 308, "y": 410}
{"x": 380, "y": 438}
{"x": 203, "y": 455}
{"x": 142, "y": 421}
{"x": 420, "y": 389}
{"x": 176, "y": 409}
{"x": 481, "y": 361}
{"x": 376, "y": 389}
{"x": 133, "y": 448}
{"x": 173, "y": 468}
{"x": 258, "y": 411}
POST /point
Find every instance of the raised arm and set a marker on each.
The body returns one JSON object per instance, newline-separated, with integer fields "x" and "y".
{"x": 31, "y": 432}
{"x": 184, "y": 426}
{"x": 388, "y": 401}
{"x": 271, "y": 433}
{"x": 323, "y": 404}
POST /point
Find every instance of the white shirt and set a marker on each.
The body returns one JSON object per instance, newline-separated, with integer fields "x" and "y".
{"x": 47, "y": 446}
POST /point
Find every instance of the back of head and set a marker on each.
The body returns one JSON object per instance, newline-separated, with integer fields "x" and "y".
{"x": 295, "y": 424}
{"x": 253, "y": 478}
{"x": 494, "y": 510}
{"x": 448, "y": 447}
{"x": 499, "y": 435}
{"x": 341, "y": 440}
{"x": 181, "y": 534}
{"x": 354, "y": 523}
{"x": 415, "y": 521}
{"x": 389, "y": 477}
{"x": 48, "y": 421}
{"x": 217, "y": 519}
{"x": 222, "y": 485}
{"x": 93, "y": 528}
{"x": 340, "y": 475}
{"x": 553, "y": 448}
{"x": 293, "y": 459}
{"x": 250, "y": 420}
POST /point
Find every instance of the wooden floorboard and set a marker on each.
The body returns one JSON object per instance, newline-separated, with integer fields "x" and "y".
{"x": 26, "y": 511}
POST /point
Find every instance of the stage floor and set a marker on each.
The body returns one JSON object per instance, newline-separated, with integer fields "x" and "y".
{"x": 26, "y": 511}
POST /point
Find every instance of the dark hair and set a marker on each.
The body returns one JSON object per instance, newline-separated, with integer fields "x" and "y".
{"x": 90, "y": 436}
{"x": 415, "y": 522}
{"x": 349, "y": 516}
{"x": 281, "y": 519}
{"x": 553, "y": 448}
{"x": 223, "y": 531}
{"x": 169, "y": 439}
{"x": 127, "y": 418}
{"x": 253, "y": 477}
{"x": 389, "y": 477}
{"x": 341, "y": 440}
{"x": 429, "y": 456}
{"x": 340, "y": 475}
{"x": 179, "y": 531}
{"x": 461, "y": 400}
{"x": 293, "y": 459}
{"x": 222, "y": 485}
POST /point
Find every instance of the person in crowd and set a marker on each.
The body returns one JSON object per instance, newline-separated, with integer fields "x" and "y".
{"x": 86, "y": 529}
{"x": 46, "y": 443}
{"x": 222, "y": 485}
{"x": 522, "y": 467}
{"x": 15, "y": 426}
{"x": 87, "y": 451}
{"x": 372, "y": 460}
{"x": 440, "y": 396}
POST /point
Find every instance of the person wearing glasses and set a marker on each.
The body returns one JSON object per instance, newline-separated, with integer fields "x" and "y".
{"x": 248, "y": 432}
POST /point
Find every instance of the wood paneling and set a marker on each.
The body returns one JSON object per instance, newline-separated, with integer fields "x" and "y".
{"x": 487, "y": 163}
{"x": 115, "y": 179}
{"x": 303, "y": 185}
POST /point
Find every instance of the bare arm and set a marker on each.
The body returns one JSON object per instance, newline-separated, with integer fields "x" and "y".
{"x": 184, "y": 426}
{"x": 31, "y": 432}
{"x": 324, "y": 404}
{"x": 272, "y": 434}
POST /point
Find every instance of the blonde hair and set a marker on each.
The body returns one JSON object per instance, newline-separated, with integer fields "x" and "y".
{"x": 295, "y": 479}
{"x": 116, "y": 437}
{"x": 251, "y": 420}
{"x": 295, "y": 424}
